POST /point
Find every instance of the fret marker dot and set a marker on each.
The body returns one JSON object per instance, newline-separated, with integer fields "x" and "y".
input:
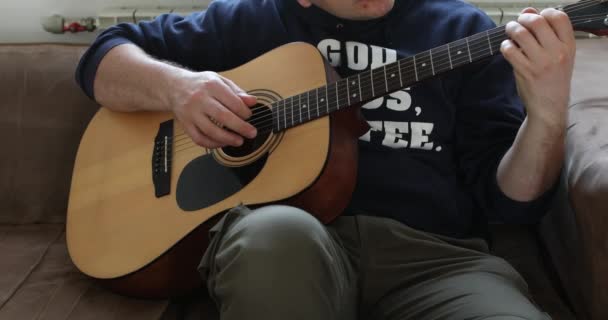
{"x": 322, "y": 100}
{"x": 304, "y": 106}
{"x": 459, "y": 52}
{"x": 354, "y": 83}
{"x": 392, "y": 75}
{"x": 424, "y": 64}
{"x": 354, "y": 95}
{"x": 438, "y": 149}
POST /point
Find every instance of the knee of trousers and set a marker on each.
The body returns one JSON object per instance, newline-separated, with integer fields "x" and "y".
{"x": 276, "y": 241}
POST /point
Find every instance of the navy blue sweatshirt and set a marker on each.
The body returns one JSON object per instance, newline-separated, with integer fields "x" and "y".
{"x": 431, "y": 156}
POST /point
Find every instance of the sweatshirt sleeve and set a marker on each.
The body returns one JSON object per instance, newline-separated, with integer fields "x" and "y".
{"x": 193, "y": 41}
{"x": 489, "y": 115}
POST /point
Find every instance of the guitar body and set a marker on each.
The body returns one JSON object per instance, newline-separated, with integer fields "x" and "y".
{"x": 138, "y": 244}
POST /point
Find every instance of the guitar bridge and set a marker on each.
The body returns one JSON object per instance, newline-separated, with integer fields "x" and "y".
{"x": 161, "y": 159}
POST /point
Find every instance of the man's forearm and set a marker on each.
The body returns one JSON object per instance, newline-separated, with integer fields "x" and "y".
{"x": 129, "y": 80}
{"x": 533, "y": 163}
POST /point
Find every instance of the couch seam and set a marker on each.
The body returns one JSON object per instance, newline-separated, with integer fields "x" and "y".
{"x": 76, "y": 302}
{"x": 31, "y": 270}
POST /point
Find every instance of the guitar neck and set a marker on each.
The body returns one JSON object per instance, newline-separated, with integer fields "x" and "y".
{"x": 375, "y": 83}
{"x": 585, "y": 15}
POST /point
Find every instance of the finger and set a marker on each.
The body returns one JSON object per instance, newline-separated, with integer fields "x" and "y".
{"x": 525, "y": 40}
{"x": 539, "y": 27}
{"x": 228, "y": 119}
{"x": 560, "y": 22}
{"x": 529, "y": 10}
{"x": 216, "y": 133}
{"x": 201, "y": 139}
{"x": 516, "y": 58}
{"x": 248, "y": 99}
{"x": 226, "y": 96}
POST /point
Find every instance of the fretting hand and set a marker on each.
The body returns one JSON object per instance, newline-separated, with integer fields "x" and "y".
{"x": 541, "y": 51}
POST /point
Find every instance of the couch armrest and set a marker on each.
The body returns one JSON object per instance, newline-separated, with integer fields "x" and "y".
{"x": 576, "y": 230}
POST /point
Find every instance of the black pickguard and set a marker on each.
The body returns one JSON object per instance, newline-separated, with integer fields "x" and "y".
{"x": 205, "y": 182}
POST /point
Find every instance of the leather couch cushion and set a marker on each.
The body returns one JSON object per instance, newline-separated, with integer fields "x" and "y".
{"x": 40, "y": 282}
{"x": 42, "y": 116}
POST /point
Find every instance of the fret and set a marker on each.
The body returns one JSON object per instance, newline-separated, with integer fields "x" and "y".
{"x": 337, "y": 97}
{"x": 365, "y": 86}
{"x": 450, "y": 57}
{"x": 275, "y": 116}
{"x": 478, "y": 41}
{"x": 457, "y": 51}
{"x": 385, "y": 79}
{"x": 423, "y": 62}
{"x": 399, "y": 71}
{"x": 441, "y": 59}
{"x": 379, "y": 82}
{"x": 393, "y": 82}
{"x": 284, "y": 114}
{"x": 348, "y": 91}
{"x": 489, "y": 42}
{"x": 326, "y": 100}
{"x": 371, "y": 76}
{"x": 317, "y": 100}
{"x": 282, "y": 108}
{"x": 431, "y": 60}
{"x": 498, "y": 38}
{"x": 299, "y": 105}
{"x": 292, "y": 113}
{"x": 344, "y": 100}
{"x": 415, "y": 68}
{"x": 308, "y": 103}
{"x": 408, "y": 70}
{"x": 275, "y": 111}
{"x": 468, "y": 49}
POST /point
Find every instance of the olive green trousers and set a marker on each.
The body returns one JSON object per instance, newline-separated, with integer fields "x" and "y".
{"x": 279, "y": 262}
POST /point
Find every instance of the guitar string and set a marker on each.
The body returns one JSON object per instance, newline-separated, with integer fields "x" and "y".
{"x": 269, "y": 123}
{"x": 393, "y": 68}
{"x": 293, "y": 113}
{"x": 496, "y": 33}
{"x": 570, "y": 9}
{"x": 440, "y": 64}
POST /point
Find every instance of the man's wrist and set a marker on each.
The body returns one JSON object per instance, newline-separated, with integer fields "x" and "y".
{"x": 547, "y": 128}
{"x": 174, "y": 85}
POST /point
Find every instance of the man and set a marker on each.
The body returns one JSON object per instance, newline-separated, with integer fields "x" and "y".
{"x": 441, "y": 159}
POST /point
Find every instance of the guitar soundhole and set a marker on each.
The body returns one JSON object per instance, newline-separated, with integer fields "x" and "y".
{"x": 263, "y": 121}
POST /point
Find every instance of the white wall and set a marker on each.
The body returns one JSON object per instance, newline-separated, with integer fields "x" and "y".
{"x": 20, "y": 19}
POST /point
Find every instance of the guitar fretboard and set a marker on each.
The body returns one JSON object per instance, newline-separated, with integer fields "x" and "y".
{"x": 374, "y": 83}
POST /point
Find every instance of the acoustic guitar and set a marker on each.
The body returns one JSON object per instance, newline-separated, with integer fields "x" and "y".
{"x": 144, "y": 195}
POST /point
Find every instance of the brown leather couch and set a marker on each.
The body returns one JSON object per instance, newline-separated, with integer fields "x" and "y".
{"x": 43, "y": 114}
